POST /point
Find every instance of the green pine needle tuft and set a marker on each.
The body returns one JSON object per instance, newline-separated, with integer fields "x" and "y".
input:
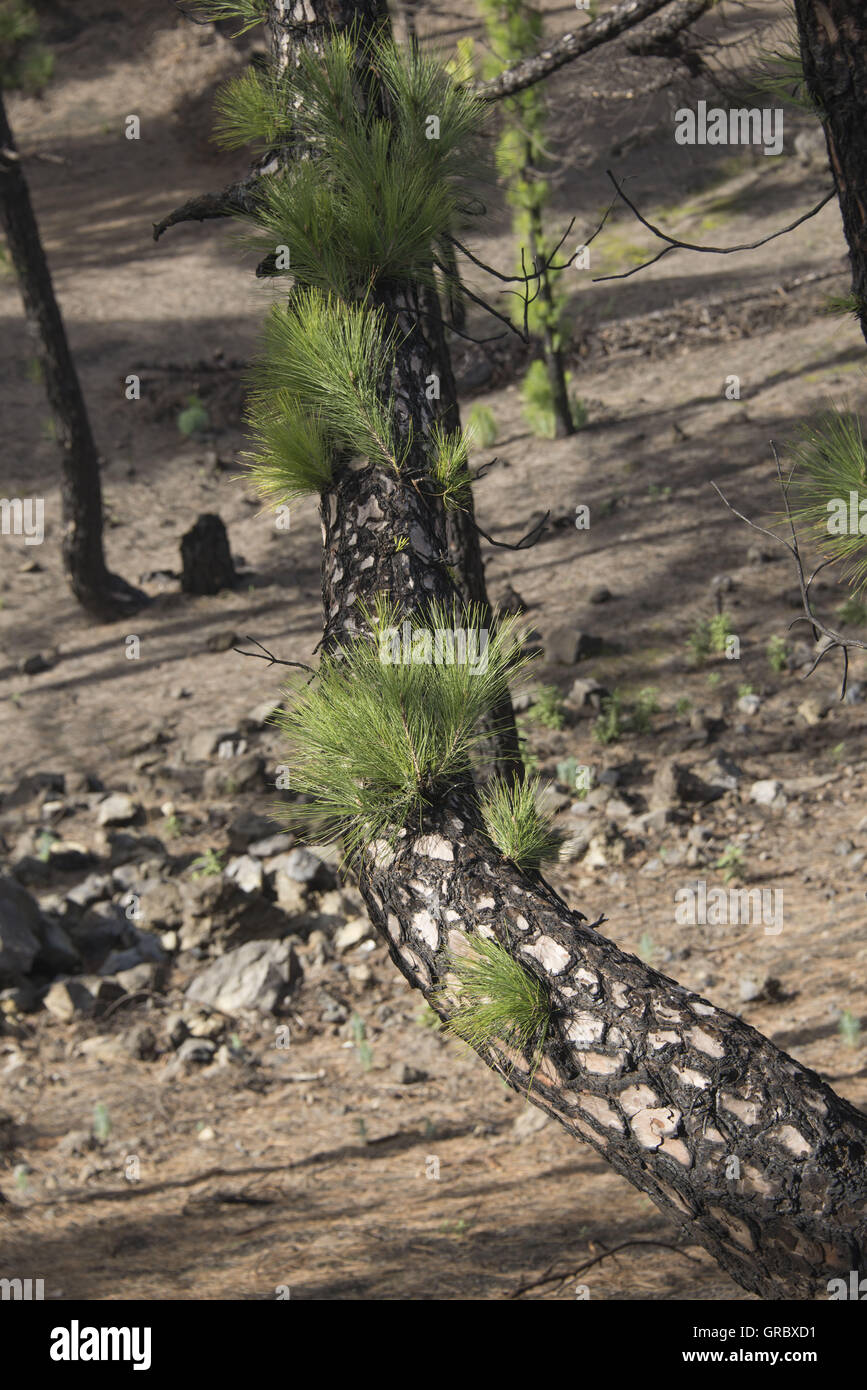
{"x": 375, "y": 738}
{"x": 253, "y": 109}
{"x": 325, "y": 358}
{"x": 779, "y": 75}
{"x": 293, "y": 457}
{"x": 449, "y": 454}
{"x": 831, "y": 462}
{"x": 517, "y": 824}
{"x": 499, "y": 1001}
{"x": 376, "y": 197}
{"x": 249, "y": 13}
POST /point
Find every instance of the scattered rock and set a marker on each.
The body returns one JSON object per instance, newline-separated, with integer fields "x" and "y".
{"x": 93, "y": 889}
{"x": 118, "y": 809}
{"x": 223, "y": 640}
{"x": 565, "y": 645}
{"x": 21, "y": 925}
{"x": 352, "y": 933}
{"x": 510, "y": 602}
{"x": 232, "y": 775}
{"x": 196, "y": 1052}
{"x": 749, "y": 704}
{"x": 767, "y": 792}
{"x": 811, "y": 711}
{"x": 673, "y": 785}
{"x": 68, "y": 999}
{"x": 600, "y": 595}
{"x": 529, "y": 1122}
{"x": 247, "y": 872}
{"x": 255, "y": 976}
{"x": 270, "y": 847}
{"x": 405, "y": 1075}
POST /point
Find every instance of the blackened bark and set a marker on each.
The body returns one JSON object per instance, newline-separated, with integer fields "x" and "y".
{"x": 290, "y": 24}
{"x": 833, "y": 36}
{"x": 750, "y": 1152}
{"x": 100, "y": 592}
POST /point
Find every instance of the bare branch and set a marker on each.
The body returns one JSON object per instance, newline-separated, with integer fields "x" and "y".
{"x": 265, "y": 655}
{"x": 835, "y": 640}
{"x": 675, "y": 244}
{"x": 572, "y": 45}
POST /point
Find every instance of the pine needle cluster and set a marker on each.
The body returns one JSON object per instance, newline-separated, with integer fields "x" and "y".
{"x": 318, "y": 394}
{"x": 517, "y": 824}
{"x": 377, "y": 192}
{"x": 499, "y": 1001}
{"x": 249, "y": 13}
{"x": 830, "y": 463}
{"x": 374, "y": 740}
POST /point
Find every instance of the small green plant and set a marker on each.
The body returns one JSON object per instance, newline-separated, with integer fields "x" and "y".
{"x": 838, "y": 752}
{"x": 709, "y": 636}
{"x": 194, "y": 418}
{"x": 401, "y": 543}
{"x": 777, "y": 654}
{"x": 171, "y": 826}
{"x": 849, "y": 1028}
{"x": 499, "y": 1001}
{"x": 21, "y": 1176}
{"x": 683, "y": 706}
{"x": 548, "y": 708}
{"x": 647, "y": 948}
{"x": 101, "y": 1123}
{"x": 539, "y": 402}
{"x": 44, "y": 840}
{"x": 482, "y": 426}
{"x": 713, "y": 679}
{"x": 516, "y": 824}
{"x": 359, "y": 1037}
{"x": 646, "y": 705}
{"x": 207, "y": 865}
{"x": 731, "y": 863}
{"x": 745, "y": 689}
{"x": 609, "y": 725}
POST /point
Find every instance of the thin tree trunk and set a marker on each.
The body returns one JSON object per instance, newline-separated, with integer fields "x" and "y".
{"x": 833, "y": 37}
{"x": 99, "y": 591}
{"x": 563, "y": 422}
{"x": 289, "y": 23}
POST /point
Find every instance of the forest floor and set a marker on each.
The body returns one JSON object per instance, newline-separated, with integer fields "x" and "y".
{"x": 313, "y": 1167}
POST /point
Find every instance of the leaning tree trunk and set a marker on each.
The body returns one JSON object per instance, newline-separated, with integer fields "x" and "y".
{"x": 99, "y": 591}
{"x": 751, "y": 1153}
{"x": 833, "y": 36}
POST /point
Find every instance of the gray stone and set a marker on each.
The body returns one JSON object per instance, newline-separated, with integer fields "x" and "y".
{"x": 247, "y": 872}
{"x": 231, "y": 775}
{"x": 56, "y": 952}
{"x": 749, "y": 704}
{"x": 405, "y": 1075}
{"x": 118, "y": 809}
{"x": 93, "y": 889}
{"x": 767, "y": 792}
{"x": 566, "y": 645}
{"x": 352, "y": 934}
{"x": 255, "y": 976}
{"x": 204, "y": 744}
{"x": 68, "y": 999}
{"x": 305, "y": 867}
{"x": 20, "y": 930}
{"x": 196, "y": 1052}
{"x": 270, "y": 847}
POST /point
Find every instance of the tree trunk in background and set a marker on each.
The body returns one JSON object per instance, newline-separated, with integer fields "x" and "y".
{"x": 289, "y": 23}
{"x": 99, "y": 591}
{"x": 563, "y": 422}
{"x": 833, "y": 37}
{"x": 749, "y": 1152}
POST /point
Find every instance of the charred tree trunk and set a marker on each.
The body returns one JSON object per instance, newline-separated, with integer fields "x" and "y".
{"x": 833, "y": 37}
{"x": 289, "y": 24}
{"x": 99, "y": 591}
{"x": 748, "y": 1151}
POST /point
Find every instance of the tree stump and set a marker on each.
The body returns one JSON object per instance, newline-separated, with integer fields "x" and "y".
{"x": 206, "y": 561}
